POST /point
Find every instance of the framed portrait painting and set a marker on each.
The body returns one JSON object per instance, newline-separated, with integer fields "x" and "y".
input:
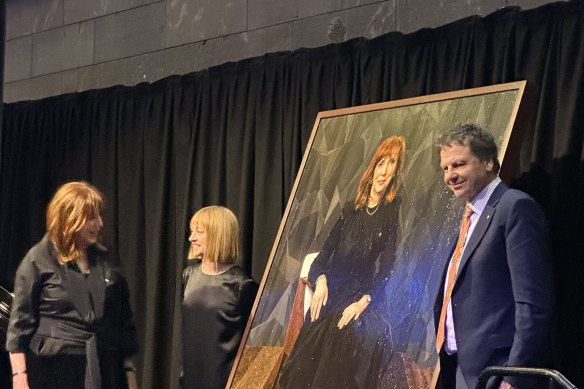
{"x": 347, "y": 297}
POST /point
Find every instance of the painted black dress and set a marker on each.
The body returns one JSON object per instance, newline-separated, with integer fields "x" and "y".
{"x": 357, "y": 259}
{"x": 215, "y": 310}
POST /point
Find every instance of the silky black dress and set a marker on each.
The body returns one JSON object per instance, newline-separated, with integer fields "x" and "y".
{"x": 71, "y": 324}
{"x": 215, "y": 309}
{"x": 357, "y": 259}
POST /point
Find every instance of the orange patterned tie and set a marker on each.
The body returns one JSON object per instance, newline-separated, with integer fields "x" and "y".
{"x": 452, "y": 270}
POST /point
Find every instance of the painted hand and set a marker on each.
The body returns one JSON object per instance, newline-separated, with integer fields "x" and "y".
{"x": 319, "y": 299}
{"x": 353, "y": 311}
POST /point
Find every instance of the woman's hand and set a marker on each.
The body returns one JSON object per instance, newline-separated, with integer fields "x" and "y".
{"x": 131, "y": 379}
{"x": 130, "y": 370}
{"x": 20, "y": 381}
{"x": 319, "y": 298}
{"x": 20, "y": 376}
{"x": 353, "y": 311}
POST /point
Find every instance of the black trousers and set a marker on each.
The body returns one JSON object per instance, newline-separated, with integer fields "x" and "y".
{"x": 68, "y": 371}
{"x": 59, "y": 371}
{"x": 447, "y": 377}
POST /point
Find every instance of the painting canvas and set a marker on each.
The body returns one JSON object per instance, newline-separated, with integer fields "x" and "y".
{"x": 412, "y": 236}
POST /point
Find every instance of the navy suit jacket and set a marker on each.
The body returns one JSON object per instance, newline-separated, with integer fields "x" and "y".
{"x": 502, "y": 301}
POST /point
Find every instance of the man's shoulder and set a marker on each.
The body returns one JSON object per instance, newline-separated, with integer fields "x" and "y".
{"x": 511, "y": 195}
{"x": 517, "y": 202}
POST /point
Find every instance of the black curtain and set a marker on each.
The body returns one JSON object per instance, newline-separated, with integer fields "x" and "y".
{"x": 235, "y": 134}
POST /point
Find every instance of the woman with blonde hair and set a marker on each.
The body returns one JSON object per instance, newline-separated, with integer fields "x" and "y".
{"x": 71, "y": 325}
{"x": 345, "y": 341}
{"x": 218, "y": 296}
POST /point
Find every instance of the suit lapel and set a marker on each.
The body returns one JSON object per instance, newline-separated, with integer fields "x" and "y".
{"x": 481, "y": 227}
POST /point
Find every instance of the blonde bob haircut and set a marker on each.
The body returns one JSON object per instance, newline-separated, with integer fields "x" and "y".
{"x": 392, "y": 147}
{"x": 72, "y": 205}
{"x": 222, "y": 230}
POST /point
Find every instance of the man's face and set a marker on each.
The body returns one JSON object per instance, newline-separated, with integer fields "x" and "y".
{"x": 464, "y": 173}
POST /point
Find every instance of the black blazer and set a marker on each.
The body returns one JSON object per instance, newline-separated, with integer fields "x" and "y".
{"x": 58, "y": 310}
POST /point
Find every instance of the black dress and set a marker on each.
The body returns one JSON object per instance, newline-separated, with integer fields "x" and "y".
{"x": 357, "y": 259}
{"x": 215, "y": 310}
{"x": 75, "y": 329}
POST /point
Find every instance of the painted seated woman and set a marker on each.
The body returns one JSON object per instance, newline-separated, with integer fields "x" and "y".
{"x": 345, "y": 341}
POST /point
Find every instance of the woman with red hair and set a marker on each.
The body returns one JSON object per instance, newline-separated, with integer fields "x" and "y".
{"x": 71, "y": 325}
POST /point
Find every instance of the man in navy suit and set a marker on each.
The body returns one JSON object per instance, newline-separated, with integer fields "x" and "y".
{"x": 500, "y": 307}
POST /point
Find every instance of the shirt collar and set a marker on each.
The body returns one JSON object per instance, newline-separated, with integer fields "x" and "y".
{"x": 479, "y": 203}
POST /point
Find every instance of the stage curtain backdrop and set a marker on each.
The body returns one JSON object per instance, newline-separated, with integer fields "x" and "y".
{"x": 235, "y": 135}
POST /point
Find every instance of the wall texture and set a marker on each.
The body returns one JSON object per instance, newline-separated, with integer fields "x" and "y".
{"x": 62, "y": 46}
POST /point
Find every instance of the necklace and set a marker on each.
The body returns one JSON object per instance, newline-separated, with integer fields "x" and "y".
{"x": 375, "y": 210}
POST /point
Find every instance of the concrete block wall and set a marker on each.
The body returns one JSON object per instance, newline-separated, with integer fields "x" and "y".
{"x": 62, "y": 46}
